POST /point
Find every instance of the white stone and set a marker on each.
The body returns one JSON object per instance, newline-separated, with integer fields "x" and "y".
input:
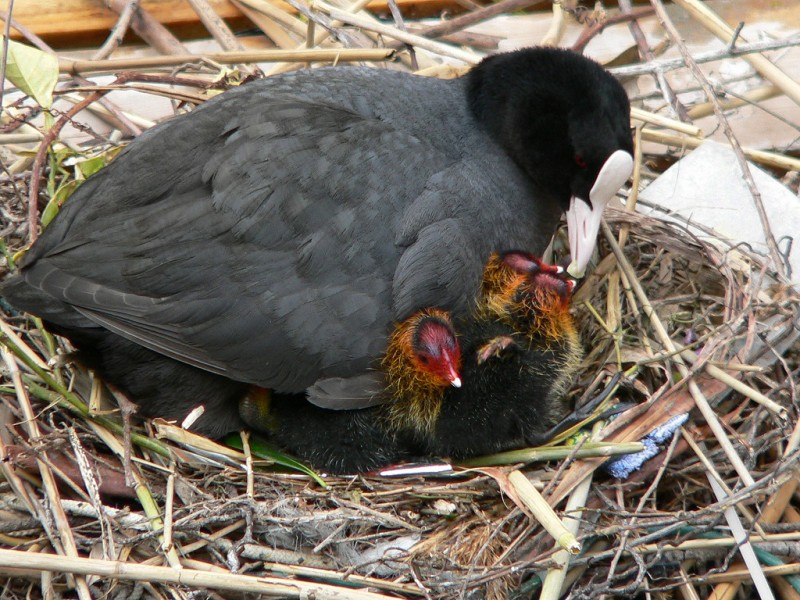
{"x": 707, "y": 188}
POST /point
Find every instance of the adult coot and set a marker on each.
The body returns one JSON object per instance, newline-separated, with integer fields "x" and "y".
{"x": 275, "y": 234}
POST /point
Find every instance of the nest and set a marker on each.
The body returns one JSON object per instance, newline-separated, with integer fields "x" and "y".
{"x": 697, "y": 328}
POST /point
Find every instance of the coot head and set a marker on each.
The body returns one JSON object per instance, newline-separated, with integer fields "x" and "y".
{"x": 565, "y": 121}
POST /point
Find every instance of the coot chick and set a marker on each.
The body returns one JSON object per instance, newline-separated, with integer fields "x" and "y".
{"x": 275, "y": 234}
{"x": 515, "y": 363}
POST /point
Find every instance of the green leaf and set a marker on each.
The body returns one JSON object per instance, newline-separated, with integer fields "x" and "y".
{"x": 32, "y": 71}
{"x": 262, "y": 449}
{"x": 51, "y": 210}
{"x": 90, "y": 166}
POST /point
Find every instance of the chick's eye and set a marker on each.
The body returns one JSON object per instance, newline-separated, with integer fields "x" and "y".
{"x": 423, "y": 359}
{"x": 580, "y": 162}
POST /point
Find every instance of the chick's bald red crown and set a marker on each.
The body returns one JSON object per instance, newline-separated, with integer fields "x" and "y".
{"x": 437, "y": 350}
{"x": 540, "y": 275}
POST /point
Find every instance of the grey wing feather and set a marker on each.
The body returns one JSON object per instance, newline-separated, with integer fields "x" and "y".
{"x": 340, "y": 393}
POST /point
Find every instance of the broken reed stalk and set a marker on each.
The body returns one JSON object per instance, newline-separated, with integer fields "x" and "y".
{"x": 669, "y": 64}
{"x": 638, "y": 114}
{"x": 128, "y": 571}
{"x": 398, "y": 34}
{"x": 771, "y": 159}
{"x": 527, "y": 455}
{"x": 543, "y": 512}
{"x": 336, "y": 55}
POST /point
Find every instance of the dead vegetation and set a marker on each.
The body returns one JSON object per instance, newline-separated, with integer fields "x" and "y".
{"x": 695, "y": 327}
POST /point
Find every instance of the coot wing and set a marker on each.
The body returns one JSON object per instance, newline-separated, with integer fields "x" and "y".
{"x": 249, "y": 249}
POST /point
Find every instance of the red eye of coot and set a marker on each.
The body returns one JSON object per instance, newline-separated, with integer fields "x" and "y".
{"x": 579, "y": 161}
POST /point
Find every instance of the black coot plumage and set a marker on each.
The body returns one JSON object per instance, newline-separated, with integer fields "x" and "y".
{"x": 518, "y": 350}
{"x": 275, "y": 234}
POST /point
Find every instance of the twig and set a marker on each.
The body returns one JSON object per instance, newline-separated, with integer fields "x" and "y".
{"x": 216, "y": 26}
{"x": 771, "y": 159}
{"x": 647, "y": 55}
{"x": 407, "y": 38}
{"x": 677, "y": 63}
{"x": 127, "y": 571}
{"x": 6, "y": 41}
{"x": 774, "y": 251}
{"x": 41, "y": 155}
{"x": 735, "y": 36}
{"x": 334, "y": 55}
{"x": 471, "y": 18}
{"x": 654, "y": 119}
{"x": 711, "y": 21}
{"x": 62, "y": 527}
{"x": 149, "y": 29}
{"x": 118, "y": 31}
{"x": 593, "y": 30}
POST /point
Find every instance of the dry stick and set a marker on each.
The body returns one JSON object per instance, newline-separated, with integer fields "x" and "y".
{"x": 752, "y": 97}
{"x": 270, "y": 27}
{"x": 149, "y": 29}
{"x": 647, "y": 55}
{"x": 774, "y": 251}
{"x": 111, "y": 113}
{"x": 273, "y": 12}
{"x": 126, "y": 571}
{"x": 558, "y": 24}
{"x": 772, "y": 512}
{"x": 741, "y": 387}
{"x": 398, "y": 21}
{"x": 48, "y": 481}
{"x": 92, "y": 485}
{"x": 319, "y": 37}
{"x": 553, "y": 583}
{"x": 304, "y": 570}
{"x": 6, "y": 41}
{"x": 700, "y": 400}
{"x": 470, "y": 18}
{"x": 105, "y": 102}
{"x": 639, "y": 114}
{"x": 215, "y": 26}
{"x": 151, "y": 62}
{"x": 598, "y": 28}
{"x": 701, "y": 452}
{"x": 668, "y": 64}
{"x": 407, "y": 38}
{"x": 745, "y": 548}
{"x": 552, "y": 587}
{"x": 24, "y": 31}
{"x": 772, "y": 159}
{"x": 711, "y": 21}
{"x": 348, "y": 37}
{"x": 543, "y": 512}
{"x": 411, "y": 59}
{"x": 41, "y": 155}
{"x": 118, "y": 31}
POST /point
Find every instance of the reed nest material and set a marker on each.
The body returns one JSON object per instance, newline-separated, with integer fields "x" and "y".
{"x": 90, "y": 510}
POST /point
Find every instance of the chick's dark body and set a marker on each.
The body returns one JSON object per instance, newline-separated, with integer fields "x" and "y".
{"x": 509, "y": 401}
